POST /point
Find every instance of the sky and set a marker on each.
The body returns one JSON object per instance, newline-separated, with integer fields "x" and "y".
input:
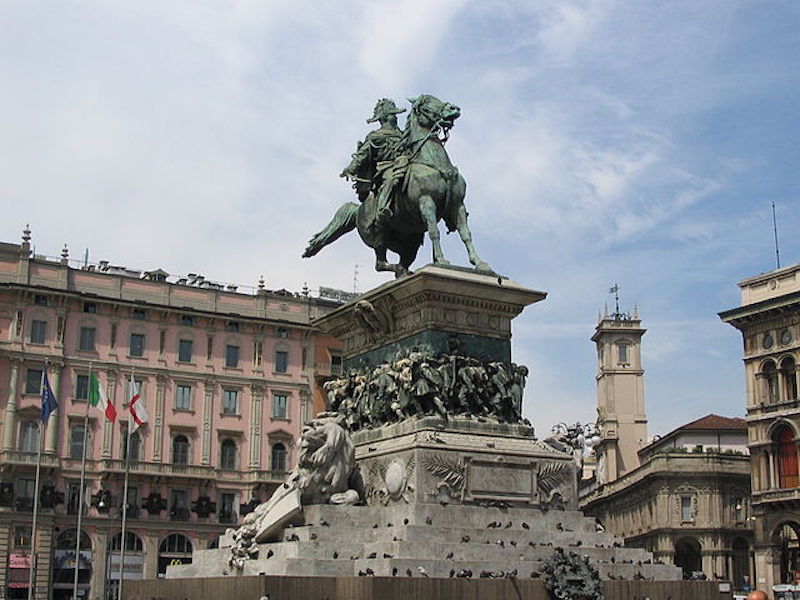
{"x": 636, "y": 143}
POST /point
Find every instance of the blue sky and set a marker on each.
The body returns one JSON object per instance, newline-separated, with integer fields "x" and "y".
{"x": 631, "y": 142}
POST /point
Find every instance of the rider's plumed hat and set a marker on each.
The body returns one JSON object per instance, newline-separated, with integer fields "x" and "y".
{"x": 383, "y": 108}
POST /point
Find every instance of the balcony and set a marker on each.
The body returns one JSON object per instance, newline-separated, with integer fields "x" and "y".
{"x": 327, "y": 370}
{"x": 14, "y": 457}
{"x": 161, "y": 469}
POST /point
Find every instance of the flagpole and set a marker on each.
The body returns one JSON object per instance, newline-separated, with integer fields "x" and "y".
{"x": 131, "y": 394}
{"x": 81, "y": 493}
{"x": 42, "y": 428}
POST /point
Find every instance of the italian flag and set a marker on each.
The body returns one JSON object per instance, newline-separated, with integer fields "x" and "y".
{"x": 137, "y": 408}
{"x": 97, "y": 397}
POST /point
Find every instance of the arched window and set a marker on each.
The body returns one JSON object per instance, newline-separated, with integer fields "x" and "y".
{"x": 29, "y": 436}
{"x": 787, "y": 456}
{"x": 180, "y": 450}
{"x": 175, "y": 549}
{"x": 278, "y": 457}
{"x": 133, "y": 543}
{"x": 769, "y": 374}
{"x": 64, "y": 560}
{"x": 688, "y": 556}
{"x": 786, "y": 539}
{"x": 227, "y": 459}
{"x": 789, "y": 378}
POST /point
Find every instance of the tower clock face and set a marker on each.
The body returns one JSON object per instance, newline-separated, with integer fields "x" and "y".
{"x": 767, "y": 342}
{"x": 786, "y": 337}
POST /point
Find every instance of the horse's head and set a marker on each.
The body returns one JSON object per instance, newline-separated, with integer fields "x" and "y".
{"x": 431, "y": 113}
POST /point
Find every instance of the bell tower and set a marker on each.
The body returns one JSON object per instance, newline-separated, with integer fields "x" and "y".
{"x": 620, "y": 392}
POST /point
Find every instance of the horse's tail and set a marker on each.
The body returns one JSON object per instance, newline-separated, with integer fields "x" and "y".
{"x": 344, "y": 221}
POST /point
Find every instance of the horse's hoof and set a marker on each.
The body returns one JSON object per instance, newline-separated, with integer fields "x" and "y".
{"x": 483, "y": 267}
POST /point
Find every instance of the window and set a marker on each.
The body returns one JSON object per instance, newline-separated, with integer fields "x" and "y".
{"x": 76, "y": 437}
{"x": 137, "y": 344}
{"x": 281, "y": 361}
{"x": 179, "y": 505}
{"x": 187, "y": 320}
{"x": 133, "y": 502}
{"x": 279, "y": 406}
{"x": 22, "y": 536}
{"x": 175, "y": 542}
{"x": 86, "y": 342}
{"x": 133, "y": 543}
{"x": 769, "y": 374}
{"x": 282, "y": 332}
{"x": 789, "y": 378}
{"x": 33, "y": 381}
{"x": 180, "y": 450}
{"x": 81, "y": 387}
{"x": 227, "y": 455}
{"x": 258, "y": 352}
{"x": 787, "y": 457}
{"x": 336, "y": 364}
{"x": 183, "y": 397}
{"x": 687, "y": 508}
{"x": 230, "y": 402}
{"x": 135, "y": 444}
{"x": 38, "y": 332}
{"x": 29, "y": 436}
{"x": 40, "y": 300}
{"x": 278, "y": 459}
{"x": 227, "y": 511}
{"x": 89, "y": 307}
{"x": 185, "y": 350}
{"x": 622, "y": 354}
{"x": 139, "y": 314}
{"x": 209, "y": 347}
{"x": 231, "y": 356}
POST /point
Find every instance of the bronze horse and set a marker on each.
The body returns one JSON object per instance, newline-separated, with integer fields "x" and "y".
{"x": 431, "y": 190}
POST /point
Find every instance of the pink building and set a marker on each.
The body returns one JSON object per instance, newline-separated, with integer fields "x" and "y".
{"x": 227, "y": 378}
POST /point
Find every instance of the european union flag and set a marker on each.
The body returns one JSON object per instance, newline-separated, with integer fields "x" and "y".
{"x": 49, "y": 402}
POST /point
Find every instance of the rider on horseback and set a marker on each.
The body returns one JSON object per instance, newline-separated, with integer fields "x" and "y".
{"x": 372, "y": 168}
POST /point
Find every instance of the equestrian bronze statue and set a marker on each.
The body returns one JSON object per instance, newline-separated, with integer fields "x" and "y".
{"x": 405, "y": 184}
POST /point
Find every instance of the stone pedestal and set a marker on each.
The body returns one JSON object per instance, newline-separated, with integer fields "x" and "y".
{"x": 434, "y": 308}
{"x": 463, "y": 461}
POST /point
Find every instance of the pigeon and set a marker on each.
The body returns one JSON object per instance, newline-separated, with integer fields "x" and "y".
{"x": 509, "y": 525}
{"x": 485, "y": 574}
{"x": 375, "y": 526}
{"x": 313, "y": 536}
{"x": 492, "y": 525}
{"x": 394, "y": 571}
{"x": 532, "y": 544}
{"x": 513, "y": 543}
{"x": 387, "y": 555}
{"x": 511, "y": 574}
{"x": 354, "y": 557}
{"x": 535, "y": 574}
{"x": 452, "y": 573}
{"x": 409, "y": 573}
{"x": 390, "y": 524}
{"x": 465, "y": 539}
{"x": 373, "y": 555}
{"x": 395, "y": 539}
{"x": 525, "y": 526}
{"x": 324, "y": 523}
{"x": 270, "y": 554}
{"x": 335, "y": 555}
{"x": 449, "y": 556}
{"x": 422, "y": 571}
{"x": 370, "y": 572}
{"x": 464, "y": 574}
{"x": 362, "y": 574}
{"x": 428, "y": 520}
{"x": 405, "y": 521}
{"x": 501, "y": 543}
{"x": 293, "y": 538}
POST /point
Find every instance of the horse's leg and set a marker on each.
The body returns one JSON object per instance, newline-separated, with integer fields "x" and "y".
{"x": 427, "y": 208}
{"x": 383, "y": 264}
{"x": 466, "y": 237}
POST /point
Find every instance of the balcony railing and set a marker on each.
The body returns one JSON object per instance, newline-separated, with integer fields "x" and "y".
{"x": 327, "y": 370}
{"x": 15, "y": 457}
{"x": 168, "y": 469}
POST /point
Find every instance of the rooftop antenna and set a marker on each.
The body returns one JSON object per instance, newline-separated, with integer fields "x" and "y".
{"x": 775, "y": 231}
{"x": 86, "y": 259}
{"x": 615, "y": 290}
{"x": 355, "y": 278}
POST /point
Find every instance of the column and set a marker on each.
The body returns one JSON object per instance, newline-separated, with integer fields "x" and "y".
{"x": 208, "y": 419}
{"x": 158, "y": 420}
{"x": 256, "y": 412}
{"x": 10, "y": 421}
{"x": 51, "y": 439}
{"x": 108, "y": 426}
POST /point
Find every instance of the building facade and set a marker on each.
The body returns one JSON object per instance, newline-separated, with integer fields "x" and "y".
{"x": 227, "y": 378}
{"x": 769, "y": 320}
{"x": 687, "y": 502}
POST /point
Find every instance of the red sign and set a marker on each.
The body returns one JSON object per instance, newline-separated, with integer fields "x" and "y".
{"x": 19, "y": 561}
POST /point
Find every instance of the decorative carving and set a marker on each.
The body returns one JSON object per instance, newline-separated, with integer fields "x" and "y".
{"x": 551, "y": 476}
{"x": 568, "y": 576}
{"x": 451, "y": 473}
{"x": 389, "y": 481}
{"x": 376, "y": 319}
{"x": 422, "y": 383}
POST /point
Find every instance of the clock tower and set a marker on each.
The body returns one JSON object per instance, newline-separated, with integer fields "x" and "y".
{"x": 620, "y": 393}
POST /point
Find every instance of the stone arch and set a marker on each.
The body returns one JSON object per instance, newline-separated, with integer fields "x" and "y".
{"x": 174, "y": 549}
{"x": 785, "y": 540}
{"x": 688, "y": 556}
